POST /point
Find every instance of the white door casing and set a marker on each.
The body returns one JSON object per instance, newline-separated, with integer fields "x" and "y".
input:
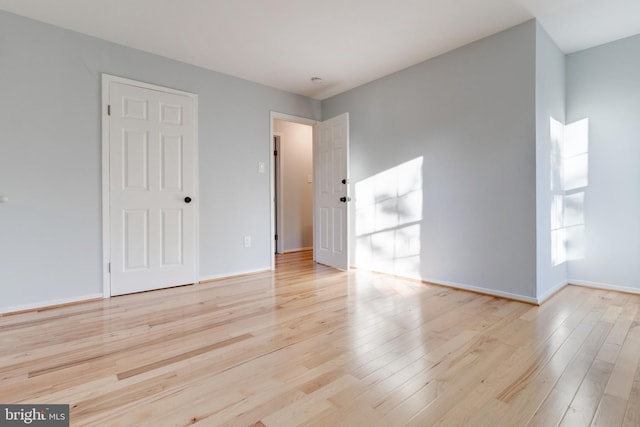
{"x": 279, "y": 196}
{"x": 331, "y": 192}
{"x": 152, "y": 183}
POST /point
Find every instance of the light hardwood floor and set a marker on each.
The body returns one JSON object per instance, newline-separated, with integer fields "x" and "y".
{"x": 308, "y": 345}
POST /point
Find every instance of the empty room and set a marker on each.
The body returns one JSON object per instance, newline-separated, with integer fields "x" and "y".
{"x": 291, "y": 213}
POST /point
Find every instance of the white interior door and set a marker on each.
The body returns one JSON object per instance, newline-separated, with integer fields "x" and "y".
{"x": 331, "y": 168}
{"x": 152, "y": 183}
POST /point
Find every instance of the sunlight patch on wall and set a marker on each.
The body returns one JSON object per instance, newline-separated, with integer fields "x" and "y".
{"x": 388, "y": 211}
{"x": 569, "y": 180}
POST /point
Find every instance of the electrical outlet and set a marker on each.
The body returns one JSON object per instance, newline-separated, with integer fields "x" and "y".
{"x": 247, "y": 241}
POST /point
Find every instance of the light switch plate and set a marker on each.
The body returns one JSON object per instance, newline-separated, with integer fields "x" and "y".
{"x": 261, "y": 167}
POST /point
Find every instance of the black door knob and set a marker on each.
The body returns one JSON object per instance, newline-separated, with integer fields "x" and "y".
{"x": 187, "y": 199}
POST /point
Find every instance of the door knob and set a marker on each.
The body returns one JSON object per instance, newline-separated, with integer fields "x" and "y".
{"x": 345, "y": 199}
{"x": 187, "y": 199}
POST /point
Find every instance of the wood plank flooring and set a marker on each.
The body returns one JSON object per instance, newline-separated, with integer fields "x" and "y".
{"x": 309, "y": 345}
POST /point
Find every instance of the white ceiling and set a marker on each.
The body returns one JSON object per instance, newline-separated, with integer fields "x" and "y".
{"x": 283, "y": 43}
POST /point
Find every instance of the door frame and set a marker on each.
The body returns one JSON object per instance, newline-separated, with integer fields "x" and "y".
{"x": 277, "y": 195}
{"x": 107, "y": 79}
{"x": 274, "y": 115}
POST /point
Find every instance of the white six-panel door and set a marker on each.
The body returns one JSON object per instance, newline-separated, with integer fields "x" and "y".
{"x": 152, "y": 182}
{"x": 331, "y": 218}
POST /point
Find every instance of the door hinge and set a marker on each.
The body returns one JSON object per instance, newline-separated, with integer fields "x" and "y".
{"x": 276, "y": 237}
{"x": 275, "y": 152}
{"x": 109, "y": 110}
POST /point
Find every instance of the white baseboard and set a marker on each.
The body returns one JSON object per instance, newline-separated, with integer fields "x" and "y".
{"x": 462, "y": 286}
{"x": 286, "y": 251}
{"x": 605, "y": 286}
{"x": 485, "y": 291}
{"x": 551, "y": 292}
{"x": 233, "y": 274}
{"x": 50, "y": 303}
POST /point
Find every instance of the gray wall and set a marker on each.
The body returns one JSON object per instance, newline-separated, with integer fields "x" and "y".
{"x": 50, "y": 159}
{"x": 550, "y": 103}
{"x": 474, "y": 121}
{"x": 603, "y": 85}
{"x": 296, "y": 193}
{"x": 470, "y": 116}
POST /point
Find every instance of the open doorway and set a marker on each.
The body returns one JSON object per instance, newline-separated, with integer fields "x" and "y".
{"x": 281, "y": 122}
{"x": 293, "y": 175}
{"x": 329, "y": 183}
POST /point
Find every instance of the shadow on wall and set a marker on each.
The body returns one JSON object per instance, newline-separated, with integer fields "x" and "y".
{"x": 388, "y": 210}
{"x": 569, "y": 181}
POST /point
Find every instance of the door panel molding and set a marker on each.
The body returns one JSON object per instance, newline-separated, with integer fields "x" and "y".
{"x": 331, "y": 195}
{"x": 139, "y": 109}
